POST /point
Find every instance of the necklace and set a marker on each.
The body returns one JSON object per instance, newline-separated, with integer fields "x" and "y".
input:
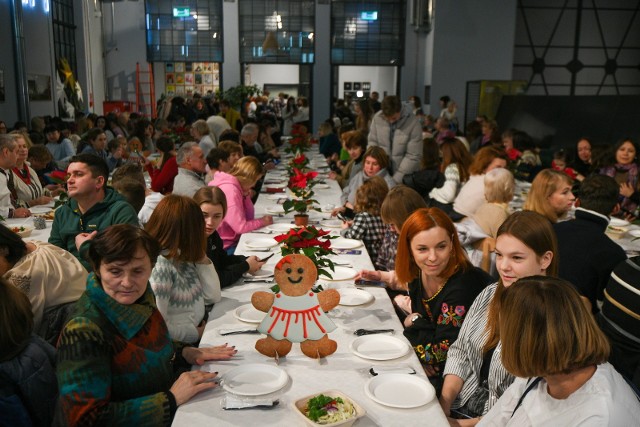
{"x": 437, "y": 292}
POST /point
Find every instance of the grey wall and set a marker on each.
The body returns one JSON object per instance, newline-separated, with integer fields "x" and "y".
{"x": 473, "y": 40}
{"x": 8, "y": 108}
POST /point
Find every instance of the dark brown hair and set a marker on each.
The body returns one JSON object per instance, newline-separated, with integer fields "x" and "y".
{"x": 178, "y": 225}
{"x": 454, "y": 151}
{"x": 16, "y": 320}
{"x": 120, "y": 243}
{"x": 213, "y": 196}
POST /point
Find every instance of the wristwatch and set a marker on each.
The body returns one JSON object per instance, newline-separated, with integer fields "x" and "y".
{"x": 415, "y": 317}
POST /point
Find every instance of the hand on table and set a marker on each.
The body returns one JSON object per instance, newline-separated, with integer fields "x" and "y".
{"x": 191, "y": 383}
{"x": 254, "y": 264}
{"x": 372, "y": 275}
{"x": 267, "y": 220}
{"x": 198, "y": 356}
{"x": 21, "y": 213}
{"x": 42, "y": 200}
{"x": 336, "y": 211}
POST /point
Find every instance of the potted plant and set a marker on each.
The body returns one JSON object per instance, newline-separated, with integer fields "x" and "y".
{"x": 301, "y": 185}
{"x": 312, "y": 242}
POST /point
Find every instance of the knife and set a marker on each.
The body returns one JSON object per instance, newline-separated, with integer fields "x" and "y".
{"x": 243, "y": 331}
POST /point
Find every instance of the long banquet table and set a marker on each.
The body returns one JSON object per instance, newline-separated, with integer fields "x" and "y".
{"x": 343, "y": 370}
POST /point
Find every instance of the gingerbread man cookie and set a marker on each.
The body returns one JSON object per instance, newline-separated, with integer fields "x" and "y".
{"x": 296, "y": 313}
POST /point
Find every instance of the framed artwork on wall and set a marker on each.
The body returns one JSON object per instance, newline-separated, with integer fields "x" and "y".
{"x": 39, "y": 87}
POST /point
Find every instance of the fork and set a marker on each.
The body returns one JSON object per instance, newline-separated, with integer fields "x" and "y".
{"x": 361, "y": 332}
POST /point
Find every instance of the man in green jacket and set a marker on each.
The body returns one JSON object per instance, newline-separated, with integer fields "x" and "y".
{"x": 92, "y": 206}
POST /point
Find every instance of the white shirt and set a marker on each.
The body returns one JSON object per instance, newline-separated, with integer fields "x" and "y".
{"x": 605, "y": 400}
{"x": 5, "y": 194}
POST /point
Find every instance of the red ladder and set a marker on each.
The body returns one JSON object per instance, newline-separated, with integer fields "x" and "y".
{"x": 145, "y": 90}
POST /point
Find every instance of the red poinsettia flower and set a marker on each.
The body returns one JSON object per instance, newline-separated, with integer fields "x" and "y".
{"x": 299, "y": 159}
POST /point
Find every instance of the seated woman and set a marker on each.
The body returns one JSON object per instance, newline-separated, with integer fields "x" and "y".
{"x": 474, "y": 377}
{"x": 430, "y": 176}
{"x": 29, "y": 190}
{"x": 61, "y": 148}
{"x": 96, "y": 144}
{"x": 230, "y": 268}
{"x": 624, "y": 169}
{"x": 471, "y": 195}
{"x": 583, "y": 162}
{"x": 528, "y": 163}
{"x": 237, "y": 187}
{"x": 329, "y": 142}
{"x": 49, "y": 276}
{"x": 619, "y": 318}
{"x": 183, "y": 280}
{"x": 200, "y": 133}
{"x": 165, "y": 170}
{"x": 355, "y": 143}
{"x": 551, "y": 342}
{"x": 115, "y": 356}
{"x": 28, "y": 386}
{"x": 442, "y": 286}
{"x": 550, "y": 195}
{"x": 375, "y": 163}
{"x": 455, "y": 167}
{"x": 499, "y": 185}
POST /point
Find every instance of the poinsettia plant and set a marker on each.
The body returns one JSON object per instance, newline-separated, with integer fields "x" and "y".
{"x": 300, "y": 161}
{"x": 309, "y": 241}
{"x": 301, "y": 185}
{"x": 299, "y": 142}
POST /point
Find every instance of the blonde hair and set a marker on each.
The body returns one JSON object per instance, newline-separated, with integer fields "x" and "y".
{"x": 547, "y": 182}
{"x": 499, "y": 185}
{"x": 247, "y": 170}
{"x": 201, "y": 127}
{"x": 17, "y": 134}
{"x": 545, "y": 329}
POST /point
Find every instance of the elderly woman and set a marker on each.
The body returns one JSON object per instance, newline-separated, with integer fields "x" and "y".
{"x": 237, "y": 186}
{"x": 200, "y": 133}
{"x": 49, "y": 276}
{"x": 550, "y": 195}
{"x": 474, "y": 378}
{"x": 442, "y": 286}
{"x": 551, "y": 342}
{"x": 499, "y": 185}
{"x": 28, "y": 187}
{"x": 116, "y": 361}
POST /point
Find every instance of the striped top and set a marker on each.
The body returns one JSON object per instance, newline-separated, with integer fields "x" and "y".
{"x": 621, "y": 306}
{"x": 465, "y": 354}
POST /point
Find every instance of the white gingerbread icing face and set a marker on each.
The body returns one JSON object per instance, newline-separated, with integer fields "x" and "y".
{"x": 295, "y": 274}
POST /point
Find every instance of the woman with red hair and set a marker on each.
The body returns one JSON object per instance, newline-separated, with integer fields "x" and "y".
{"x": 442, "y": 284}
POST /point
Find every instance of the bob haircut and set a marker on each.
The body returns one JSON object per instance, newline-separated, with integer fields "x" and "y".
{"x": 484, "y": 157}
{"x": 454, "y": 151}
{"x": 421, "y": 220}
{"x": 120, "y": 243}
{"x": 213, "y": 196}
{"x": 370, "y": 195}
{"x": 401, "y": 201}
{"x": 545, "y": 329}
{"x": 18, "y": 134}
{"x": 499, "y": 185}
{"x": 230, "y": 147}
{"x": 178, "y": 225}
{"x": 16, "y": 320}
{"x": 547, "y": 182}
{"x": 535, "y": 232}
{"x": 247, "y": 170}
{"x": 353, "y": 139}
{"x": 379, "y": 154}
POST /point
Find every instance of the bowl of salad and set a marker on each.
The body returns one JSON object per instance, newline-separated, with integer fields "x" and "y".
{"x": 329, "y": 408}
{"x": 22, "y": 231}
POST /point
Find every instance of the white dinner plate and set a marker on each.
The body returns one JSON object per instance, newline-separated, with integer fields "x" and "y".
{"x": 276, "y": 185}
{"x": 277, "y": 196}
{"x": 352, "y": 296}
{"x": 399, "y": 390}
{"x": 275, "y": 209}
{"x": 321, "y": 186}
{"x": 40, "y": 209}
{"x": 634, "y": 233}
{"x": 254, "y": 379}
{"x": 280, "y": 227}
{"x": 263, "y": 273}
{"x": 379, "y": 347}
{"x": 617, "y": 222}
{"x": 342, "y": 243}
{"x": 341, "y": 273}
{"x": 261, "y": 243}
{"x": 334, "y": 223}
{"x": 248, "y": 313}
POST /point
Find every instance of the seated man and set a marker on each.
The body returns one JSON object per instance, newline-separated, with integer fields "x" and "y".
{"x": 587, "y": 255}
{"x": 218, "y": 161}
{"x": 9, "y": 207}
{"x": 191, "y": 168}
{"x": 620, "y": 318}
{"x": 92, "y": 206}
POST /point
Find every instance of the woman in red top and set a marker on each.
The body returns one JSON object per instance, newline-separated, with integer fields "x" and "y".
{"x": 162, "y": 176}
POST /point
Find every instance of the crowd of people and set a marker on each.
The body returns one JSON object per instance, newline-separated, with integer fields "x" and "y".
{"x": 102, "y": 323}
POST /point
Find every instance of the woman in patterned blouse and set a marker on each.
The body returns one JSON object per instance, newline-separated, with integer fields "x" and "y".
{"x": 442, "y": 286}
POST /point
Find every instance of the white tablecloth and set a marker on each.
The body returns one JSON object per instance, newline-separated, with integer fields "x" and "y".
{"x": 40, "y": 235}
{"x": 343, "y": 370}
